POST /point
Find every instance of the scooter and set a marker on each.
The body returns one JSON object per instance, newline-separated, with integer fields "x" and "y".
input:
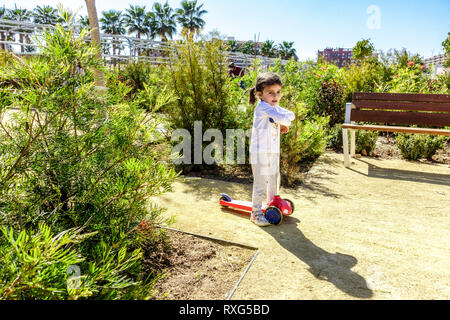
{"x": 273, "y": 211}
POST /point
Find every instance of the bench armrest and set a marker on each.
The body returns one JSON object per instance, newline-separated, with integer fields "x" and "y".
{"x": 348, "y": 110}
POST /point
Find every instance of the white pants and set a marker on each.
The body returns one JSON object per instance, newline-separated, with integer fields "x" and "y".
{"x": 265, "y": 168}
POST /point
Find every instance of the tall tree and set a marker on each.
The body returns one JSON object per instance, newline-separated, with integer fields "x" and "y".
{"x": 162, "y": 21}
{"x": 113, "y": 24}
{"x": 189, "y": 16}
{"x": 20, "y": 15}
{"x": 134, "y": 19}
{"x": 287, "y": 50}
{"x": 363, "y": 49}
{"x": 46, "y": 15}
{"x": 95, "y": 35}
{"x": 268, "y": 49}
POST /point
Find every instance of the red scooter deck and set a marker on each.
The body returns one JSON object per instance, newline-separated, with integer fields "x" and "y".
{"x": 239, "y": 205}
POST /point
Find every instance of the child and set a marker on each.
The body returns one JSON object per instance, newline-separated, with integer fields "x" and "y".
{"x": 269, "y": 119}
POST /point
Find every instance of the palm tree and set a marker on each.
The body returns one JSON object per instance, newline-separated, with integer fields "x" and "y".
{"x": 135, "y": 20}
{"x": 249, "y": 47}
{"x": 189, "y": 16}
{"x": 112, "y": 23}
{"x": 46, "y": 15}
{"x": 162, "y": 21}
{"x": 95, "y": 35}
{"x": 84, "y": 22}
{"x": 286, "y": 50}
{"x": 233, "y": 46}
{"x": 268, "y": 49}
{"x": 20, "y": 15}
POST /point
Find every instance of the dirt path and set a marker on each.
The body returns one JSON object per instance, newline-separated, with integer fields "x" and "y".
{"x": 379, "y": 230}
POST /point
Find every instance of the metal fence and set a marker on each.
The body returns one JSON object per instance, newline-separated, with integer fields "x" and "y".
{"x": 21, "y": 37}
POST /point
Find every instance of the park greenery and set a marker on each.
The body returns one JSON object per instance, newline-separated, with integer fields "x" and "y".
{"x": 79, "y": 165}
{"x": 160, "y": 22}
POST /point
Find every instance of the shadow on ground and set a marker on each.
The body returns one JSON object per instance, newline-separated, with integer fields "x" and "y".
{"x": 396, "y": 174}
{"x": 331, "y": 267}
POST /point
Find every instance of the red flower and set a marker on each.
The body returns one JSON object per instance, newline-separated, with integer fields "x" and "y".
{"x": 424, "y": 67}
{"x": 411, "y": 63}
{"x": 396, "y": 76}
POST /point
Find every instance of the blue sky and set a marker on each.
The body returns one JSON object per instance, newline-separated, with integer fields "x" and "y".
{"x": 418, "y": 26}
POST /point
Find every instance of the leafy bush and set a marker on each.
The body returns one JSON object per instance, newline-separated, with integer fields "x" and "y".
{"x": 365, "y": 141}
{"x": 198, "y": 75}
{"x": 415, "y": 146}
{"x": 41, "y": 265}
{"x": 307, "y": 137}
{"x": 363, "y": 77}
{"x": 77, "y": 157}
{"x": 330, "y": 102}
{"x": 335, "y": 137}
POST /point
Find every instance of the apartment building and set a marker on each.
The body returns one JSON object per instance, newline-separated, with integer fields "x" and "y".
{"x": 340, "y": 56}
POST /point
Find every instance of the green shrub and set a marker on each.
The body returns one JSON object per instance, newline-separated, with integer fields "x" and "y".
{"x": 363, "y": 77}
{"x": 74, "y": 156}
{"x": 335, "y": 138}
{"x": 41, "y": 265}
{"x": 307, "y": 137}
{"x": 415, "y": 146}
{"x": 136, "y": 74}
{"x": 331, "y": 102}
{"x": 364, "y": 140}
{"x": 306, "y": 140}
{"x": 197, "y": 76}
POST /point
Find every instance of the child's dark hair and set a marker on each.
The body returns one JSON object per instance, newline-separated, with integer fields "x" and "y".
{"x": 264, "y": 80}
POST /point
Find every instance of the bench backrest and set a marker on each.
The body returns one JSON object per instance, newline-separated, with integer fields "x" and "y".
{"x": 401, "y": 108}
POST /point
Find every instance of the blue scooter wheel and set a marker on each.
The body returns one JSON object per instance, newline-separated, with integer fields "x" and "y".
{"x": 273, "y": 215}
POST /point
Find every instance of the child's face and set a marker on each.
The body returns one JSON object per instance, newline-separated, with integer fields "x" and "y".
{"x": 271, "y": 94}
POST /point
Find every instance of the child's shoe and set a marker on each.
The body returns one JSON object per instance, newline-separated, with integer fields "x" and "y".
{"x": 259, "y": 219}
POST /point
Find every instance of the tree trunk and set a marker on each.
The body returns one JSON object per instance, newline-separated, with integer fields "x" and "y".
{"x": 95, "y": 35}
{"x": 2, "y": 38}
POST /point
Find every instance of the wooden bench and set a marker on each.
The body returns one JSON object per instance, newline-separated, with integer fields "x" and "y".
{"x": 391, "y": 110}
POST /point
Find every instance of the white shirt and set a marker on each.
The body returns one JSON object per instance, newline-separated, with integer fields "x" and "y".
{"x": 265, "y": 134}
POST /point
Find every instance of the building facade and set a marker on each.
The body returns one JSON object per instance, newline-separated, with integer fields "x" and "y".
{"x": 436, "y": 60}
{"x": 342, "y": 57}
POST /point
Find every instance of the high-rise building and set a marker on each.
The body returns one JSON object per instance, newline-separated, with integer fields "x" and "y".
{"x": 340, "y": 56}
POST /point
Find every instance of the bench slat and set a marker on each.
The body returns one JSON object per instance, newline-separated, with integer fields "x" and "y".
{"x": 370, "y": 127}
{"x": 401, "y": 105}
{"x": 412, "y": 97}
{"x": 410, "y": 118}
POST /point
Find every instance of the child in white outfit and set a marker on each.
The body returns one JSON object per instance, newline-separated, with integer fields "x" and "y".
{"x": 269, "y": 120}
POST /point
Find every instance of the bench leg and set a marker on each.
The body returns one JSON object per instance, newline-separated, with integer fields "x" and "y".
{"x": 352, "y": 143}
{"x": 345, "y": 145}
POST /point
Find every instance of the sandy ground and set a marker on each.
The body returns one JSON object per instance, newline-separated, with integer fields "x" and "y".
{"x": 379, "y": 230}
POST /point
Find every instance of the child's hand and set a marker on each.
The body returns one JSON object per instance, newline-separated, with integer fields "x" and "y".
{"x": 284, "y": 129}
